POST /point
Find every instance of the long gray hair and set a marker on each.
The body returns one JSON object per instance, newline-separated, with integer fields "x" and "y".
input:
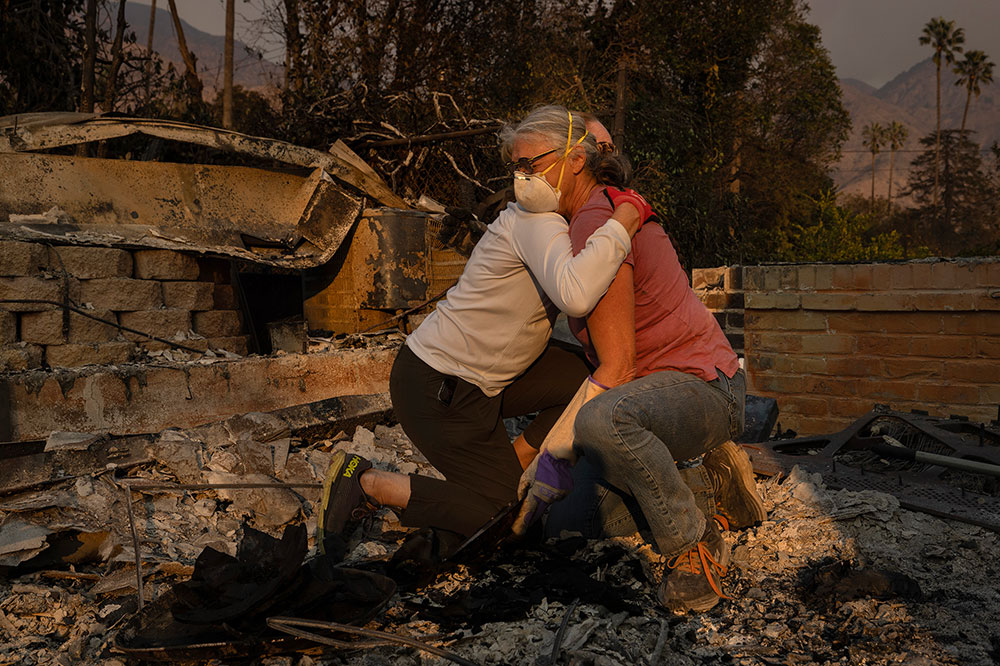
{"x": 551, "y": 123}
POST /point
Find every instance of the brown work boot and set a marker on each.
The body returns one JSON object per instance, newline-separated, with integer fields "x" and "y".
{"x": 693, "y": 580}
{"x": 731, "y": 474}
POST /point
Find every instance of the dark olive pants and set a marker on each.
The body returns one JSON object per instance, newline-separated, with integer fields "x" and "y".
{"x": 460, "y": 430}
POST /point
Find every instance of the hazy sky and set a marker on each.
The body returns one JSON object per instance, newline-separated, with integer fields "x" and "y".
{"x": 874, "y": 40}
{"x": 870, "y": 40}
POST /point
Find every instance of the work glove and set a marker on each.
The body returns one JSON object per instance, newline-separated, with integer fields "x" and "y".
{"x": 618, "y": 196}
{"x": 548, "y": 479}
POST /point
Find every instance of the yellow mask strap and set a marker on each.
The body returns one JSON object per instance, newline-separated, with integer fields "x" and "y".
{"x": 569, "y": 149}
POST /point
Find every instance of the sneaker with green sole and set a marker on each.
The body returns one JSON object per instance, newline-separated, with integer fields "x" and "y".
{"x": 344, "y": 503}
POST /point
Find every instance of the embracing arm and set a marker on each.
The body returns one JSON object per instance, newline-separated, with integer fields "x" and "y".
{"x": 576, "y": 283}
{"x": 612, "y": 332}
{"x": 611, "y": 327}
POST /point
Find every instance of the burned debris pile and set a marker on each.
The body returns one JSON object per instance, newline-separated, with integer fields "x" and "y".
{"x": 833, "y": 576}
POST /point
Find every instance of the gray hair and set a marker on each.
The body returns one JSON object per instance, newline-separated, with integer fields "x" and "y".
{"x": 551, "y": 124}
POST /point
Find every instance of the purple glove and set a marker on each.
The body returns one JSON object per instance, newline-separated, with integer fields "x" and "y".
{"x": 553, "y": 481}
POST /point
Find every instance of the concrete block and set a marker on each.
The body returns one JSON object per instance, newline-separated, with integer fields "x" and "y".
{"x": 828, "y": 343}
{"x": 236, "y": 344}
{"x": 823, "y": 277}
{"x": 988, "y": 346}
{"x": 772, "y": 301}
{"x": 944, "y": 346}
{"x": 989, "y": 395}
{"x": 734, "y": 278}
{"x": 993, "y": 274}
{"x": 853, "y": 277}
{"x": 121, "y": 294}
{"x": 8, "y": 327}
{"x": 846, "y": 301}
{"x": 74, "y": 356}
{"x": 224, "y": 297}
{"x": 45, "y": 328}
{"x": 708, "y": 278}
{"x": 20, "y": 356}
{"x": 949, "y": 394}
{"x": 164, "y": 323}
{"x": 946, "y": 276}
{"x": 217, "y": 323}
{"x": 885, "y": 302}
{"x": 788, "y": 278}
{"x": 807, "y": 278}
{"x": 946, "y": 301}
{"x": 901, "y": 276}
{"x": 189, "y": 295}
{"x": 920, "y": 368}
{"x": 165, "y": 265}
{"x": 142, "y": 398}
{"x": 22, "y": 259}
{"x": 87, "y": 263}
{"x": 983, "y": 371}
{"x": 48, "y": 289}
{"x": 753, "y": 278}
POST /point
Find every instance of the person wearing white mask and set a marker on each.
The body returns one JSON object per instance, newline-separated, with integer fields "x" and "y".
{"x": 483, "y": 354}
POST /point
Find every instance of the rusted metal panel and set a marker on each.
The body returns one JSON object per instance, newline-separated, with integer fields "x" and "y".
{"x": 42, "y": 131}
{"x": 398, "y": 263}
{"x": 265, "y": 216}
{"x": 384, "y": 270}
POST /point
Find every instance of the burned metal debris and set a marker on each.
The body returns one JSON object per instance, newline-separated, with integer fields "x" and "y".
{"x": 877, "y": 453}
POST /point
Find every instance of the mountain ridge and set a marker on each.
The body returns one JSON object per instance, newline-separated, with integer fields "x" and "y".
{"x": 910, "y": 99}
{"x": 249, "y": 70}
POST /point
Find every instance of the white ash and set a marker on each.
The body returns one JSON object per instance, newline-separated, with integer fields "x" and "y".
{"x": 770, "y": 619}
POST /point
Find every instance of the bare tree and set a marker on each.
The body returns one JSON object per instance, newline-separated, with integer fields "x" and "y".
{"x": 90, "y": 59}
{"x": 117, "y": 56}
{"x": 293, "y": 46}
{"x": 227, "y": 75}
{"x": 190, "y": 62}
{"x": 149, "y": 48}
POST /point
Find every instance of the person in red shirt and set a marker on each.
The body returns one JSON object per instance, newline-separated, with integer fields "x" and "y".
{"x": 674, "y": 392}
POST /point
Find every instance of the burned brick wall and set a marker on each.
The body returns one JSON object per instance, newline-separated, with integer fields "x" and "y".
{"x": 164, "y": 293}
{"x": 830, "y": 340}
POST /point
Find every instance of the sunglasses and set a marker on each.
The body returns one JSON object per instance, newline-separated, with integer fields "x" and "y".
{"x": 527, "y": 164}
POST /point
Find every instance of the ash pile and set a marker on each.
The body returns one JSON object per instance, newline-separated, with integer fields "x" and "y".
{"x": 833, "y": 576}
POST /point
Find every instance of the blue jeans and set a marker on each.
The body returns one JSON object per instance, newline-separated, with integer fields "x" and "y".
{"x": 629, "y": 439}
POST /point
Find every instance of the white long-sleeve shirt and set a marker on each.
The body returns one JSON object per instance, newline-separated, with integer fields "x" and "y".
{"x": 497, "y": 320}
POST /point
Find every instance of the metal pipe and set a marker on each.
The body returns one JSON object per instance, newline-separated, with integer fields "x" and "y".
{"x": 903, "y": 453}
{"x": 214, "y": 486}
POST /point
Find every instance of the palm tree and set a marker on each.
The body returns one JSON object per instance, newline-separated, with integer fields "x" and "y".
{"x": 946, "y": 40}
{"x": 896, "y": 135}
{"x": 874, "y": 138}
{"x": 976, "y": 69}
